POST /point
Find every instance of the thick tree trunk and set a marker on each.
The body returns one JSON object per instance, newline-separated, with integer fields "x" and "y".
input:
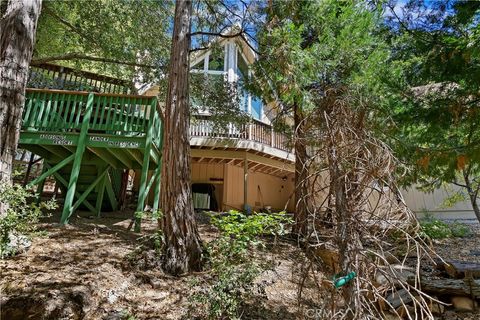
{"x": 17, "y": 38}
{"x": 183, "y": 250}
{"x": 301, "y": 174}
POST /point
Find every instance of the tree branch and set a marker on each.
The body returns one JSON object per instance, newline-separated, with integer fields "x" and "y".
{"x": 459, "y": 184}
{"x": 216, "y": 34}
{"x": 70, "y": 26}
{"x": 199, "y": 49}
{"x": 81, "y": 56}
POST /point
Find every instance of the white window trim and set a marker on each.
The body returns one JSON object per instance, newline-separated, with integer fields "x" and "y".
{"x": 230, "y": 71}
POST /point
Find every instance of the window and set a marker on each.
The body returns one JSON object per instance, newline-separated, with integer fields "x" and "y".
{"x": 242, "y": 67}
{"x": 257, "y": 108}
{"x": 204, "y": 196}
{"x": 201, "y": 200}
{"x": 216, "y": 60}
{"x": 199, "y": 66}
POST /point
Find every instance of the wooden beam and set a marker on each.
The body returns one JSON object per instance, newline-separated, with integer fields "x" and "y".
{"x": 72, "y": 183}
{"x": 57, "y": 150}
{"x": 38, "y": 150}
{"x": 136, "y": 154}
{"x": 235, "y": 155}
{"x": 84, "y": 195}
{"x": 77, "y": 194}
{"x": 144, "y": 175}
{"x": 245, "y": 183}
{"x": 52, "y": 170}
{"x": 106, "y": 156}
{"x": 258, "y": 167}
{"x": 272, "y": 162}
{"x": 205, "y": 153}
{"x": 156, "y": 190}
{"x": 111, "y": 193}
{"x": 101, "y": 192}
{"x": 121, "y": 156}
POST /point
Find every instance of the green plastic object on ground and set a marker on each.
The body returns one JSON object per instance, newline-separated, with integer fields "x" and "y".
{"x": 340, "y": 282}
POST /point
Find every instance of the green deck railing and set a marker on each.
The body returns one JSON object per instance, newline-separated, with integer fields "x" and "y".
{"x": 64, "y": 111}
{"x": 108, "y": 125}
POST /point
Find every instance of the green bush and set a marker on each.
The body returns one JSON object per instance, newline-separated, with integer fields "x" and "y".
{"x": 232, "y": 261}
{"x": 21, "y": 217}
{"x": 437, "y": 229}
{"x": 460, "y": 230}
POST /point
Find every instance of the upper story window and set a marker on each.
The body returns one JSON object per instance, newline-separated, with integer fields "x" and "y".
{"x": 242, "y": 67}
{"x": 228, "y": 60}
{"x": 199, "y": 66}
{"x": 216, "y": 60}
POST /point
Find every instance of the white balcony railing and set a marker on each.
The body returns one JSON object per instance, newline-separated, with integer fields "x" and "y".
{"x": 202, "y": 126}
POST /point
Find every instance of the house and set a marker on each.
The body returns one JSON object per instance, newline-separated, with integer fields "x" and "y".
{"x": 250, "y": 166}
{"x": 93, "y": 131}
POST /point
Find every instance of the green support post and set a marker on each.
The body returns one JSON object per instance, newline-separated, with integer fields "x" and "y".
{"x": 49, "y": 172}
{"x": 101, "y": 191}
{"x": 89, "y": 189}
{"x": 144, "y": 175}
{"x": 41, "y": 183}
{"x": 77, "y": 194}
{"x": 156, "y": 190}
{"x": 72, "y": 183}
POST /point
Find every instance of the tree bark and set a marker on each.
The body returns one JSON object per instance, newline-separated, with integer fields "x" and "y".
{"x": 301, "y": 174}
{"x": 17, "y": 39}
{"x": 183, "y": 250}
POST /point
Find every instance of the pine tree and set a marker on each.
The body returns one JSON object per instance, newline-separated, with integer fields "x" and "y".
{"x": 183, "y": 251}
{"x": 17, "y": 39}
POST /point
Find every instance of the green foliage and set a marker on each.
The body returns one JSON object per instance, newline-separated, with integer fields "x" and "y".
{"x": 158, "y": 241}
{"x": 434, "y": 104}
{"x": 232, "y": 261}
{"x": 240, "y": 231}
{"x": 221, "y": 99}
{"x": 316, "y": 53}
{"x": 437, "y": 229}
{"x": 460, "y": 230}
{"x": 21, "y": 215}
{"x": 127, "y": 31}
{"x": 453, "y": 198}
{"x": 153, "y": 215}
{"x": 126, "y": 315}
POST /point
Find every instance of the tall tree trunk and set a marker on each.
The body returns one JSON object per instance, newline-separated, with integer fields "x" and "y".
{"x": 183, "y": 250}
{"x": 17, "y": 38}
{"x": 301, "y": 174}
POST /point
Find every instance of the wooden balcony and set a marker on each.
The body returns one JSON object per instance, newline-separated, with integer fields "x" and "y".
{"x": 55, "y": 117}
{"x": 255, "y": 136}
{"x": 92, "y": 137}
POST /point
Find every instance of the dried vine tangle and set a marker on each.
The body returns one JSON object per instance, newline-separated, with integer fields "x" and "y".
{"x": 355, "y": 207}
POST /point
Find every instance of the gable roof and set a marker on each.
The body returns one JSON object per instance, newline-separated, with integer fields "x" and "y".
{"x": 230, "y": 36}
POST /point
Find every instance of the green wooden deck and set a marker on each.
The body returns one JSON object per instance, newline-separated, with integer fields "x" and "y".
{"x": 84, "y": 137}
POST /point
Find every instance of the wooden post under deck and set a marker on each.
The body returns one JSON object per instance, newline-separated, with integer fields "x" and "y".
{"x": 245, "y": 183}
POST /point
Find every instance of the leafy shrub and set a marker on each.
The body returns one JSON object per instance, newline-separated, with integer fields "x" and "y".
{"x": 437, "y": 229}
{"x": 460, "y": 230}
{"x": 232, "y": 261}
{"x": 21, "y": 216}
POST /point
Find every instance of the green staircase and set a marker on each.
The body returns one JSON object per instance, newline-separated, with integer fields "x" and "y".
{"x": 87, "y": 139}
{"x": 87, "y": 176}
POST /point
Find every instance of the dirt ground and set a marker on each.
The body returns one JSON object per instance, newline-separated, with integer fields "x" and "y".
{"x": 81, "y": 272}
